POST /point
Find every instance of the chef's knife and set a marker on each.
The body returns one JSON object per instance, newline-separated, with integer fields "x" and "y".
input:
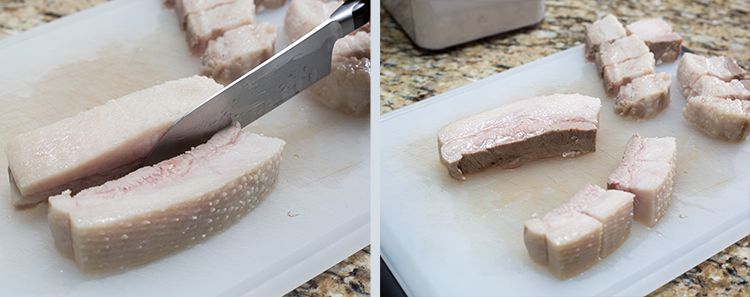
{"x": 272, "y": 83}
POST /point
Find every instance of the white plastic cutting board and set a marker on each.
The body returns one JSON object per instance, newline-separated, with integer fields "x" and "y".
{"x": 316, "y": 216}
{"x": 445, "y": 237}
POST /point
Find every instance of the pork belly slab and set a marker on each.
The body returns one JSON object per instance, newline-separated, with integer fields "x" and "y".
{"x": 347, "y": 87}
{"x": 304, "y": 15}
{"x": 725, "y": 119}
{"x": 620, "y": 74}
{"x": 618, "y": 51}
{"x": 644, "y": 97}
{"x": 159, "y": 209}
{"x": 659, "y": 37}
{"x": 715, "y": 87}
{"x": 99, "y": 144}
{"x": 605, "y": 30}
{"x": 518, "y": 132}
{"x": 574, "y": 236}
{"x": 647, "y": 170}
{"x": 692, "y": 67}
{"x": 206, "y": 25}
{"x": 240, "y": 50}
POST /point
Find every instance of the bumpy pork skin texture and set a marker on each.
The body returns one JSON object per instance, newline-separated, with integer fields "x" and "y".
{"x": 160, "y": 209}
{"x": 574, "y": 236}
{"x": 618, "y": 51}
{"x": 647, "y": 170}
{"x": 237, "y": 52}
{"x": 304, "y": 15}
{"x": 725, "y": 119}
{"x": 525, "y": 130}
{"x": 605, "y": 30}
{"x": 207, "y": 25}
{"x": 99, "y": 144}
{"x": 621, "y": 74}
{"x": 644, "y": 97}
{"x": 692, "y": 67}
{"x": 659, "y": 37}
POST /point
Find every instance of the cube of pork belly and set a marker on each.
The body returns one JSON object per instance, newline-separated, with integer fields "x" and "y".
{"x": 619, "y": 51}
{"x": 518, "y": 132}
{"x": 605, "y": 30}
{"x": 647, "y": 170}
{"x": 572, "y": 237}
{"x": 644, "y": 97}
{"x": 725, "y": 119}
{"x": 183, "y": 8}
{"x": 665, "y": 44}
{"x": 713, "y": 86}
{"x": 238, "y": 51}
{"x": 304, "y": 15}
{"x": 99, "y": 144}
{"x": 620, "y": 74}
{"x": 172, "y": 205}
{"x": 692, "y": 67}
{"x": 207, "y": 25}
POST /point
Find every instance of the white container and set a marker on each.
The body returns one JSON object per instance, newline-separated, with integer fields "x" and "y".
{"x": 437, "y": 24}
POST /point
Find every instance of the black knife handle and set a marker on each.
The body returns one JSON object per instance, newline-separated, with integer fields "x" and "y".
{"x": 352, "y": 15}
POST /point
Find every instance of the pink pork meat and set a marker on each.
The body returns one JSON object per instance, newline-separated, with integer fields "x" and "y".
{"x": 665, "y": 44}
{"x": 240, "y": 50}
{"x": 644, "y": 97}
{"x": 692, "y": 67}
{"x": 518, "y": 132}
{"x": 574, "y": 236}
{"x": 99, "y": 144}
{"x": 605, "y": 30}
{"x": 619, "y": 51}
{"x": 172, "y": 205}
{"x": 725, "y": 119}
{"x": 620, "y": 74}
{"x": 206, "y": 25}
{"x": 647, "y": 170}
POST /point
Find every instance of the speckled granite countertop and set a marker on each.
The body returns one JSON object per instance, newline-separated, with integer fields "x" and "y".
{"x": 350, "y": 277}
{"x": 709, "y": 27}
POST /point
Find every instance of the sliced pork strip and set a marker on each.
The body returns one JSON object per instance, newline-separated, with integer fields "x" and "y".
{"x": 728, "y": 120}
{"x": 644, "y": 97}
{"x": 304, "y": 15}
{"x": 619, "y": 51}
{"x": 647, "y": 170}
{"x": 347, "y": 87}
{"x": 159, "y": 209}
{"x": 206, "y": 25}
{"x": 620, "y": 74}
{"x": 99, "y": 144}
{"x": 238, "y": 51}
{"x": 715, "y": 87}
{"x": 605, "y": 30}
{"x": 183, "y": 8}
{"x": 692, "y": 67}
{"x": 518, "y": 132}
{"x": 659, "y": 37}
{"x": 614, "y": 209}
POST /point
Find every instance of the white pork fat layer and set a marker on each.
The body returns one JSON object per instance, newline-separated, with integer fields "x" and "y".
{"x": 601, "y": 31}
{"x": 725, "y": 119}
{"x": 159, "y": 209}
{"x": 99, "y": 144}
{"x": 644, "y": 97}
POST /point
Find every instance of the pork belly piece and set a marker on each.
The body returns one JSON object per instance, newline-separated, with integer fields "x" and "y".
{"x": 183, "y": 8}
{"x": 692, "y": 67}
{"x": 574, "y": 236}
{"x": 619, "y": 51}
{"x": 518, "y": 132}
{"x": 168, "y": 4}
{"x": 605, "y": 30}
{"x": 240, "y": 50}
{"x": 725, "y": 119}
{"x": 304, "y": 15}
{"x": 269, "y": 4}
{"x": 207, "y": 25}
{"x": 644, "y": 97}
{"x": 347, "y": 87}
{"x": 647, "y": 170}
{"x": 713, "y": 86}
{"x": 659, "y": 37}
{"x": 99, "y": 144}
{"x": 157, "y": 210}
{"x": 620, "y": 74}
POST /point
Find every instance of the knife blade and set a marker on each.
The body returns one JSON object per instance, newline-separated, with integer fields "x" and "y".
{"x": 264, "y": 88}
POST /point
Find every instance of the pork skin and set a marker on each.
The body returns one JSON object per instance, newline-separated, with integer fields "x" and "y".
{"x": 644, "y": 97}
{"x": 159, "y": 209}
{"x": 659, "y": 37}
{"x": 518, "y": 132}
{"x": 99, "y": 144}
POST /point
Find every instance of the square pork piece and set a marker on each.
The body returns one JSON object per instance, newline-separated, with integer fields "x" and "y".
{"x": 644, "y": 97}
{"x": 601, "y": 31}
{"x": 238, "y": 51}
{"x": 207, "y": 25}
{"x": 665, "y": 44}
{"x": 620, "y": 74}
